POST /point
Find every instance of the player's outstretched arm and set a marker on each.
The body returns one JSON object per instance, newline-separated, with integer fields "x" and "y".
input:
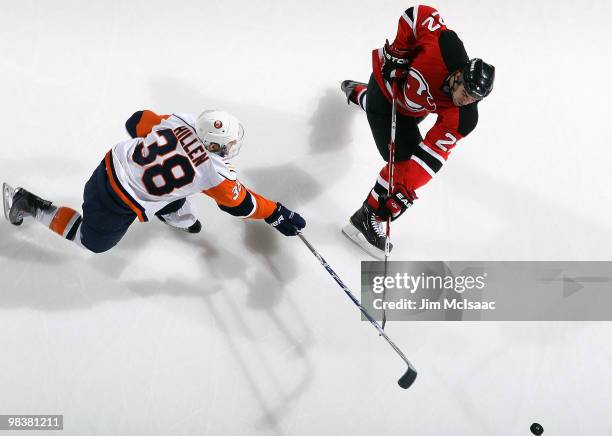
{"x": 237, "y": 200}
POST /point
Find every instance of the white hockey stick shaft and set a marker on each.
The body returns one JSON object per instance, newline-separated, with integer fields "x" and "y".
{"x": 391, "y": 170}
{"x": 410, "y": 375}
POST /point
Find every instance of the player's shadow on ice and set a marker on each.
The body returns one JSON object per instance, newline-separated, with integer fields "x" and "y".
{"x": 266, "y": 283}
{"x": 18, "y": 246}
{"x": 331, "y": 124}
{"x": 58, "y": 266}
{"x": 39, "y": 261}
{"x": 300, "y": 149}
{"x": 294, "y": 181}
{"x": 287, "y": 183}
{"x": 265, "y": 290}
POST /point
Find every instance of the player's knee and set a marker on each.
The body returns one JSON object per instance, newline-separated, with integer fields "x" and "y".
{"x": 96, "y": 248}
{"x": 95, "y": 243}
{"x": 99, "y": 250}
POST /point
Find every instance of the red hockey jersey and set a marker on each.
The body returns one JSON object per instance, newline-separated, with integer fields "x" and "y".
{"x": 439, "y": 52}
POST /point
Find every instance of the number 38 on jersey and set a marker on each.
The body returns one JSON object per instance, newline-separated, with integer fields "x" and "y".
{"x": 165, "y": 169}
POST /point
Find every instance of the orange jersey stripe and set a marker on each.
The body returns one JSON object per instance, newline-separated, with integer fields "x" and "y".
{"x": 265, "y": 207}
{"x": 115, "y": 186}
{"x": 148, "y": 120}
{"x": 60, "y": 221}
{"x": 232, "y": 193}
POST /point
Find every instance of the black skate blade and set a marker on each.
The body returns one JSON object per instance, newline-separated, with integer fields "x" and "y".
{"x": 351, "y": 232}
{"x": 7, "y": 199}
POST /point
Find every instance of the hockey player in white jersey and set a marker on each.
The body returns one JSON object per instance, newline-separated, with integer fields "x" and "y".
{"x": 169, "y": 159}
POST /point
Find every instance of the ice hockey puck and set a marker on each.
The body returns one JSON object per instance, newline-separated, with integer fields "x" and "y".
{"x": 536, "y": 429}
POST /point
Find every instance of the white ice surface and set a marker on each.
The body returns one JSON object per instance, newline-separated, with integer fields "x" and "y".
{"x": 239, "y": 331}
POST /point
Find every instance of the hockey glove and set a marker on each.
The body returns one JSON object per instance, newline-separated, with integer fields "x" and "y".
{"x": 397, "y": 62}
{"x": 285, "y": 221}
{"x": 396, "y": 204}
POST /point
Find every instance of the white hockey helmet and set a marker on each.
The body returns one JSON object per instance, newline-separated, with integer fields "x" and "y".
{"x": 220, "y": 132}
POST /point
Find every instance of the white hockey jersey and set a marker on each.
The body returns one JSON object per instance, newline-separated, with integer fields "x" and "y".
{"x": 167, "y": 161}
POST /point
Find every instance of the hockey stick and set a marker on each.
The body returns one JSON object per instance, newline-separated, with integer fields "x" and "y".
{"x": 390, "y": 167}
{"x": 410, "y": 375}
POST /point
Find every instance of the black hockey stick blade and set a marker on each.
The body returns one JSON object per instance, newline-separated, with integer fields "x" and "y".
{"x": 407, "y": 379}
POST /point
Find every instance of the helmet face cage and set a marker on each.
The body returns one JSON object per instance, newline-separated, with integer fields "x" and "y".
{"x": 229, "y": 149}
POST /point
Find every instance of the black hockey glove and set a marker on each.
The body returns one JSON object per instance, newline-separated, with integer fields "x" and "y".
{"x": 397, "y": 62}
{"x": 285, "y": 221}
{"x": 396, "y": 204}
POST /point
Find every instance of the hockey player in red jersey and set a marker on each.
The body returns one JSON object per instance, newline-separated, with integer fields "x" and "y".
{"x": 433, "y": 75}
{"x": 168, "y": 159}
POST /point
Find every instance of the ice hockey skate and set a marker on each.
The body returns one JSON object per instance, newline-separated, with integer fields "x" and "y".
{"x": 20, "y": 203}
{"x": 184, "y": 218}
{"x": 194, "y": 228}
{"x": 365, "y": 230}
{"x": 7, "y": 198}
{"x": 348, "y": 86}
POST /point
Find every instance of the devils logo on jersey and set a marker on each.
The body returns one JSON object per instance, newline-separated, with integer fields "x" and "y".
{"x": 417, "y": 96}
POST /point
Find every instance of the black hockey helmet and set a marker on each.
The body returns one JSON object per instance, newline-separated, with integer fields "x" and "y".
{"x": 478, "y": 78}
